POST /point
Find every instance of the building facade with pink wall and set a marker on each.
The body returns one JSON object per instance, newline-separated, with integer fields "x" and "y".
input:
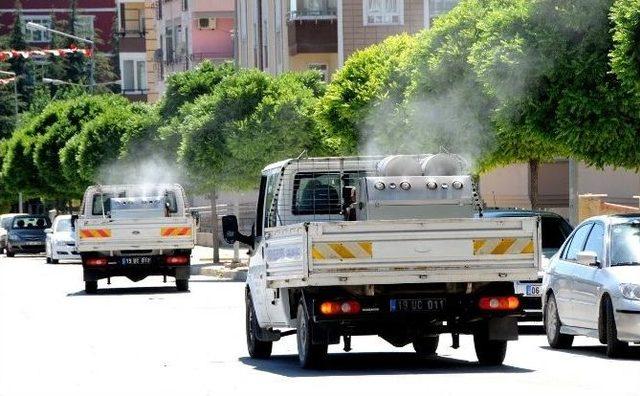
{"x": 190, "y": 31}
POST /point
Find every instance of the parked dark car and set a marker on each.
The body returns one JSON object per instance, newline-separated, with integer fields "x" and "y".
{"x": 26, "y": 234}
{"x": 6, "y": 220}
{"x": 555, "y": 230}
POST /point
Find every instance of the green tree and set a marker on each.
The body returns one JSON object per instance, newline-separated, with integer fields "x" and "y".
{"x": 186, "y": 87}
{"x": 370, "y": 80}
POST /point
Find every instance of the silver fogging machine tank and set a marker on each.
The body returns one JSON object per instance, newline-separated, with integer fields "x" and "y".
{"x": 417, "y": 187}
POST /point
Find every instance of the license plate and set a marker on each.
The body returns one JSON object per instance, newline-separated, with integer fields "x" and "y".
{"x": 135, "y": 260}
{"x": 36, "y": 243}
{"x": 533, "y": 290}
{"x": 417, "y": 304}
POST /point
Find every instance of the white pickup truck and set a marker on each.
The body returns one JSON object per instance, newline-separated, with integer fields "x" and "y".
{"x": 381, "y": 246}
{"x": 135, "y": 231}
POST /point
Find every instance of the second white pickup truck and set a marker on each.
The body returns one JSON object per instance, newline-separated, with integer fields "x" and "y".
{"x": 381, "y": 246}
{"x": 135, "y": 231}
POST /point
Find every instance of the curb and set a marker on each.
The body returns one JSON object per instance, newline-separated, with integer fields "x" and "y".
{"x": 221, "y": 272}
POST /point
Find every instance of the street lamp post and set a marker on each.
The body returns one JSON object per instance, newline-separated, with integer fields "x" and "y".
{"x": 35, "y": 26}
{"x": 15, "y": 88}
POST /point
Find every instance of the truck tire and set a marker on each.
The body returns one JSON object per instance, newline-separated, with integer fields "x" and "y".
{"x": 489, "y": 352}
{"x": 182, "y": 284}
{"x": 310, "y": 355}
{"x": 552, "y": 325}
{"x": 48, "y": 260}
{"x": 257, "y": 349}
{"x": 426, "y": 346}
{"x": 54, "y": 261}
{"x": 615, "y": 347}
{"x": 91, "y": 287}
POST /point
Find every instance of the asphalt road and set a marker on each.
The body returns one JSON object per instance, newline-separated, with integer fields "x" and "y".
{"x": 146, "y": 338}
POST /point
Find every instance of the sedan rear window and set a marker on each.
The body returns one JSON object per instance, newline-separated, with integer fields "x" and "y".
{"x": 31, "y": 222}
{"x": 625, "y": 244}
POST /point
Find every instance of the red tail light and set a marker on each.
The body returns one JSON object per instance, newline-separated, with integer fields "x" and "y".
{"x": 349, "y": 307}
{"x": 505, "y": 303}
{"x": 173, "y": 260}
{"x": 96, "y": 261}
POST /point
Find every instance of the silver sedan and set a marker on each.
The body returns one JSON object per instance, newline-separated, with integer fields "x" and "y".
{"x": 592, "y": 285}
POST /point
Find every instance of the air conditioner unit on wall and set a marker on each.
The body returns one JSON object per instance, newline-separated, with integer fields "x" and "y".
{"x": 207, "y": 23}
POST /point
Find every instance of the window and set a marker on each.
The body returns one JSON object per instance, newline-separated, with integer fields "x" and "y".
{"x": 316, "y": 193}
{"x": 595, "y": 242}
{"x": 100, "y": 202}
{"x": 31, "y": 222}
{"x": 576, "y": 244}
{"x": 270, "y": 208}
{"x": 185, "y": 5}
{"x": 37, "y": 36}
{"x": 63, "y": 225}
{"x": 134, "y": 74}
{"x": 383, "y": 12}
{"x": 625, "y": 244}
{"x": 322, "y": 68}
{"x": 84, "y": 26}
{"x": 141, "y": 75}
{"x": 554, "y": 232}
{"x": 440, "y": 7}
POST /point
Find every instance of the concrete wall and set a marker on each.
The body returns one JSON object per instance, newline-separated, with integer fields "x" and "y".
{"x": 216, "y": 43}
{"x": 301, "y": 62}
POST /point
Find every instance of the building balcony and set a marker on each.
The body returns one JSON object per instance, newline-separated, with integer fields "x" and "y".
{"x": 320, "y": 36}
{"x": 314, "y": 10}
{"x": 131, "y": 28}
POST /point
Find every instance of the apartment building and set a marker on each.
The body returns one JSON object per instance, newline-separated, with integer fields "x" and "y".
{"x": 190, "y": 31}
{"x": 282, "y": 35}
{"x": 95, "y": 19}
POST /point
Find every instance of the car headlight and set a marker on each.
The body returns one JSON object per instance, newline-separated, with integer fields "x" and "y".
{"x": 61, "y": 243}
{"x": 13, "y": 237}
{"x": 630, "y": 291}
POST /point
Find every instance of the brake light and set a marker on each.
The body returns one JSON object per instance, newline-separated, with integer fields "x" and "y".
{"x": 177, "y": 260}
{"x": 340, "y": 307}
{"x": 96, "y": 261}
{"x": 506, "y": 303}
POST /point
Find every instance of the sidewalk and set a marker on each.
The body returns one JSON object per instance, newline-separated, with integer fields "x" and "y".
{"x": 202, "y": 264}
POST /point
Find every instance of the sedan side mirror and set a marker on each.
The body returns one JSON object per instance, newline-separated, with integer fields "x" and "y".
{"x": 588, "y": 257}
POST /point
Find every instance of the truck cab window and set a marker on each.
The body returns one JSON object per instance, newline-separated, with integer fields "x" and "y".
{"x": 100, "y": 201}
{"x": 316, "y": 193}
{"x": 270, "y": 210}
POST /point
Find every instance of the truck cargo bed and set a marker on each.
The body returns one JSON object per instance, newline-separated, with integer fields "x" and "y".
{"x": 402, "y": 251}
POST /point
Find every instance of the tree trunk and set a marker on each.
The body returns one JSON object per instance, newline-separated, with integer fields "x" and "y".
{"x": 214, "y": 227}
{"x": 533, "y": 184}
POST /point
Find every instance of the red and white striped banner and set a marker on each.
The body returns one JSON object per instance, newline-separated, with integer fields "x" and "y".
{"x": 7, "y": 81}
{"x": 6, "y": 55}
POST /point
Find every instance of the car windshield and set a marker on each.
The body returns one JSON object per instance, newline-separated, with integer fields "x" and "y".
{"x": 625, "y": 244}
{"x": 31, "y": 222}
{"x": 554, "y": 232}
{"x": 63, "y": 225}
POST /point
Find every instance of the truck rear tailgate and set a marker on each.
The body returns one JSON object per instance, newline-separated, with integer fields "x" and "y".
{"x": 403, "y": 251}
{"x": 135, "y": 234}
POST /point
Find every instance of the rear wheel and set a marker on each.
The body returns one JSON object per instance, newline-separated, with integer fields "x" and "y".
{"x": 257, "y": 349}
{"x": 426, "y": 345}
{"x": 91, "y": 287}
{"x": 182, "y": 284}
{"x": 54, "y": 261}
{"x": 48, "y": 260}
{"x": 615, "y": 347}
{"x": 552, "y": 326}
{"x": 489, "y": 352}
{"x": 310, "y": 355}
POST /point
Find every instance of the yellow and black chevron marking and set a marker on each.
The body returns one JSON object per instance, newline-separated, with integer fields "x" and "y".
{"x": 502, "y": 246}
{"x": 341, "y": 250}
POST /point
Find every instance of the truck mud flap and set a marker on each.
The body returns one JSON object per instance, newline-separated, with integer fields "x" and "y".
{"x": 503, "y": 329}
